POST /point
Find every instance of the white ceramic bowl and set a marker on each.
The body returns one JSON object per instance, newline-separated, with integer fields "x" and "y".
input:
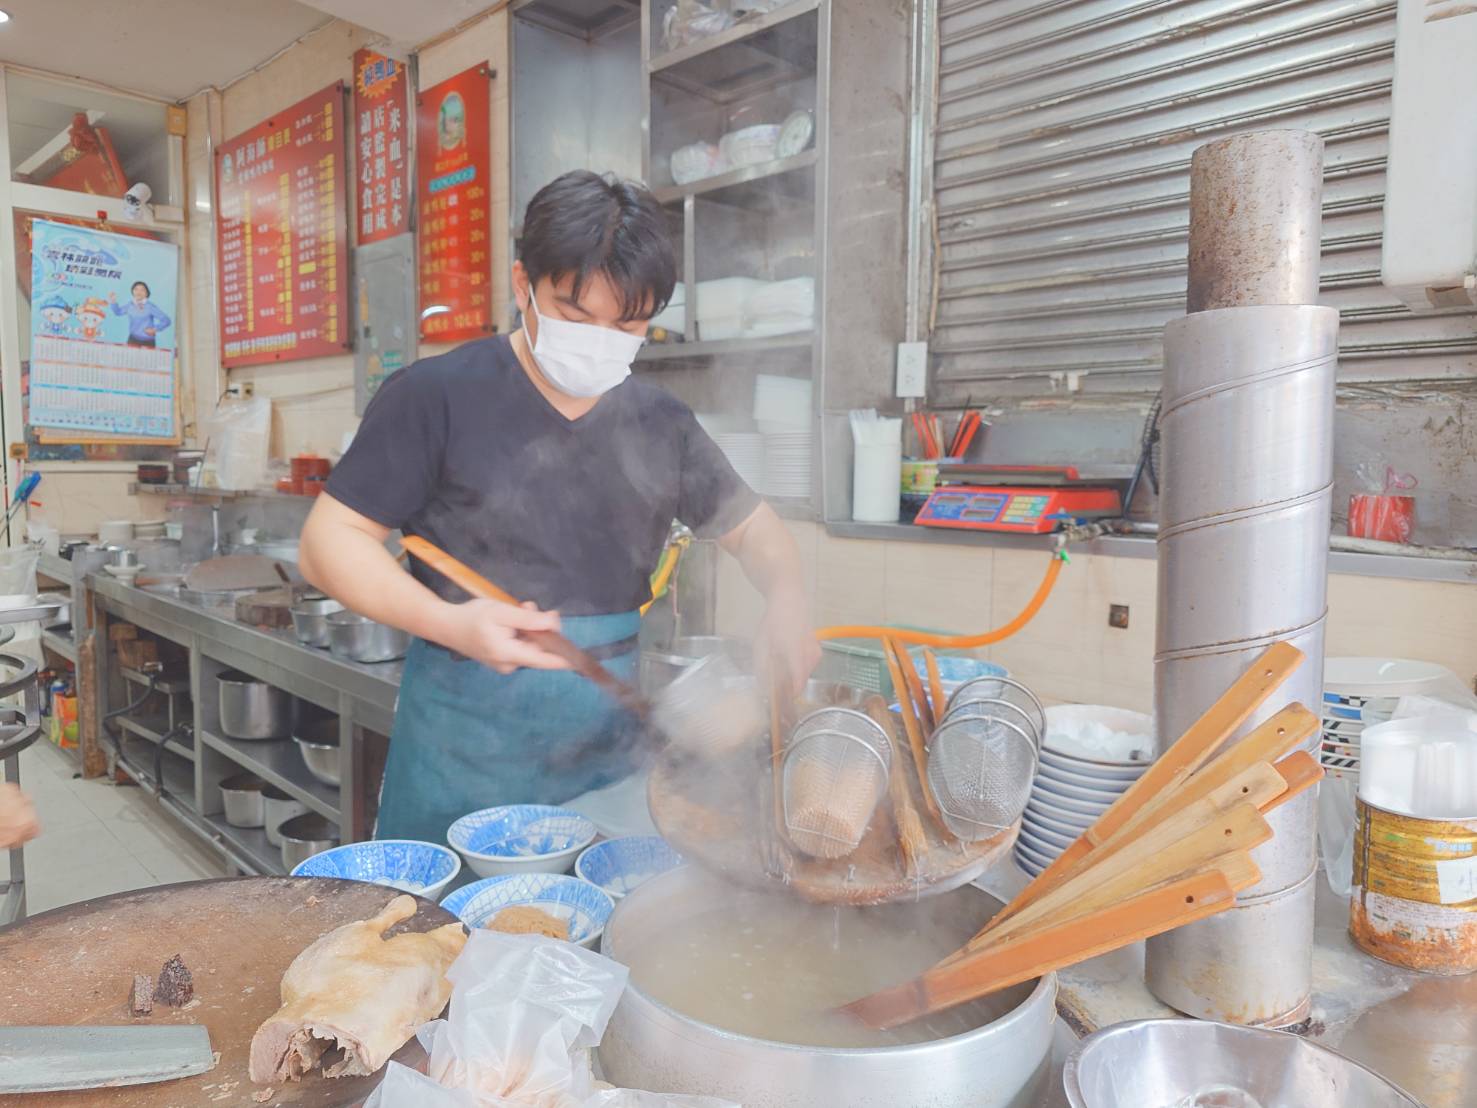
{"x": 1065, "y": 809}
{"x": 1112, "y": 775}
{"x": 520, "y": 838}
{"x": 425, "y": 869}
{"x": 616, "y": 866}
{"x": 1094, "y": 798}
{"x": 581, "y": 903}
{"x": 1113, "y": 785}
{"x": 1033, "y": 854}
{"x": 1037, "y": 818}
{"x": 1048, "y": 842}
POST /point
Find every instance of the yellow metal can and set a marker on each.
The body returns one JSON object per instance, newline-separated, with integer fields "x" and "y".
{"x": 1415, "y": 890}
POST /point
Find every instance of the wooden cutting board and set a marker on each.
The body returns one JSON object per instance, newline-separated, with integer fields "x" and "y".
{"x": 709, "y": 809}
{"x": 233, "y": 572}
{"x": 237, "y": 936}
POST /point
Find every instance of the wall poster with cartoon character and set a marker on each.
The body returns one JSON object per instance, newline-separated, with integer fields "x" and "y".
{"x": 102, "y": 332}
{"x": 453, "y": 182}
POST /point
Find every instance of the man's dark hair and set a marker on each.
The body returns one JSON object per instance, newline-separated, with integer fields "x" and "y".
{"x": 583, "y": 223}
{"x": 142, "y": 284}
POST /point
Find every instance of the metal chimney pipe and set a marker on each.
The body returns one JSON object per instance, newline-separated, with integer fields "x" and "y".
{"x": 1247, "y": 430}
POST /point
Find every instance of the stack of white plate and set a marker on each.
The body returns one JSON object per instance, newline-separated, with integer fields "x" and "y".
{"x": 1090, "y": 757}
{"x": 786, "y": 464}
{"x": 1360, "y": 691}
{"x": 745, "y": 452}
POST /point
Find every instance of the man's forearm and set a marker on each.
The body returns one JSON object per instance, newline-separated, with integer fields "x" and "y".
{"x": 362, "y": 575}
{"x": 770, "y": 559}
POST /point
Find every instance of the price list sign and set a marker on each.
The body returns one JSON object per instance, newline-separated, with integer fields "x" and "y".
{"x": 453, "y": 180}
{"x": 283, "y": 235}
{"x": 382, "y": 143}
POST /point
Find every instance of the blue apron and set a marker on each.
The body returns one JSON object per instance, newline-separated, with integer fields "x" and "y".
{"x": 467, "y": 737}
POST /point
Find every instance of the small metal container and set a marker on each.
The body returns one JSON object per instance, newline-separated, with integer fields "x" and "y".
{"x": 357, "y": 638}
{"x": 310, "y": 619}
{"x": 1411, "y": 904}
{"x": 660, "y": 667}
{"x": 279, "y": 808}
{"x": 252, "y": 709}
{"x": 319, "y": 743}
{"x": 1179, "y": 1061}
{"x": 303, "y": 836}
{"x": 241, "y": 794}
{"x": 121, "y": 557}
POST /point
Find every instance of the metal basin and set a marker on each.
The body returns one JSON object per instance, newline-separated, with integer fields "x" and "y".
{"x": 659, "y": 668}
{"x": 1168, "y": 1063}
{"x": 306, "y": 835}
{"x": 241, "y": 795}
{"x": 648, "y": 1045}
{"x": 319, "y": 743}
{"x": 278, "y": 808}
{"x": 252, "y": 709}
{"x": 357, "y": 638}
{"x": 310, "y": 620}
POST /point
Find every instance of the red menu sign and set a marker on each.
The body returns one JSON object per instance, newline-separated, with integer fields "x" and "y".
{"x": 382, "y": 129}
{"x": 283, "y": 235}
{"x": 453, "y": 180}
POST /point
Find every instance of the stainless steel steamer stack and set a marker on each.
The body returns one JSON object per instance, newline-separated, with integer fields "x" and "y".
{"x": 1247, "y": 430}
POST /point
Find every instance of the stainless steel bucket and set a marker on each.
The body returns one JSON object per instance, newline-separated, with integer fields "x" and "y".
{"x": 252, "y": 709}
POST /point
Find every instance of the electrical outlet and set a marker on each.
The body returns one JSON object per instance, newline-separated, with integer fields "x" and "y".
{"x": 912, "y": 370}
{"x": 1118, "y": 616}
{"x": 248, "y": 389}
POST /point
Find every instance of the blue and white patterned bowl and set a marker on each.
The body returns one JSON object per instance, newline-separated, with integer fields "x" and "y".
{"x": 424, "y": 869}
{"x": 618, "y": 865}
{"x": 581, "y": 903}
{"x": 521, "y": 838}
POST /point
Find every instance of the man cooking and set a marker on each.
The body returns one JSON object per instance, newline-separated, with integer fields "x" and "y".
{"x": 540, "y": 462}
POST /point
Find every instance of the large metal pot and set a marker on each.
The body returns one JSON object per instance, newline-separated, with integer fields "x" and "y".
{"x": 252, "y": 709}
{"x": 357, "y": 638}
{"x": 303, "y": 836}
{"x": 648, "y": 1045}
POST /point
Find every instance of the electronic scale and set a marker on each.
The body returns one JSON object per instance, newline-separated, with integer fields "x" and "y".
{"x": 1030, "y": 500}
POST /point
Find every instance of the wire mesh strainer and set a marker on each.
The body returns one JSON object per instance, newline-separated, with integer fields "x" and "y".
{"x": 994, "y": 690}
{"x": 980, "y": 769}
{"x": 835, "y": 773}
{"x": 711, "y": 707}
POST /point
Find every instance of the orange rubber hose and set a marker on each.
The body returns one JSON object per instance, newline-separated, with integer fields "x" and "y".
{"x": 958, "y": 642}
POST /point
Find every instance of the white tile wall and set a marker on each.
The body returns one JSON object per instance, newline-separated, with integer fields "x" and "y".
{"x": 1069, "y": 652}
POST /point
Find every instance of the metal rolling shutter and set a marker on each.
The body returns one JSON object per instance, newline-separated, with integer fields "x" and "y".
{"x": 1062, "y": 154}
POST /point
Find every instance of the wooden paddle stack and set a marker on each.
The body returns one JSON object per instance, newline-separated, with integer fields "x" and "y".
{"x": 1171, "y": 850}
{"x": 921, "y": 713}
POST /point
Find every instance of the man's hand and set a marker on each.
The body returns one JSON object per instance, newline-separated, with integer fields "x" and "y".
{"x": 786, "y": 640}
{"x": 18, "y": 823}
{"x": 487, "y": 630}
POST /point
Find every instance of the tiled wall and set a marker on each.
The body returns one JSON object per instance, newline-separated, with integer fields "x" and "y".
{"x": 1069, "y": 652}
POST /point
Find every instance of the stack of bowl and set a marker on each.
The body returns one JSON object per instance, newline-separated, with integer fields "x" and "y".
{"x": 1361, "y": 691}
{"x": 1090, "y": 756}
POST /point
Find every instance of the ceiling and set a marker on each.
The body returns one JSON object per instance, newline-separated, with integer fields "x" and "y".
{"x": 174, "y": 48}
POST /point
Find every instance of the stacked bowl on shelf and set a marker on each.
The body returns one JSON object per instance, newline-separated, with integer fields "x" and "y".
{"x": 1090, "y": 756}
{"x": 782, "y": 414}
{"x": 1360, "y": 691}
{"x": 745, "y": 452}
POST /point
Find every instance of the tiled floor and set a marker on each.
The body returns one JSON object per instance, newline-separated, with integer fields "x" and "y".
{"x": 99, "y": 838}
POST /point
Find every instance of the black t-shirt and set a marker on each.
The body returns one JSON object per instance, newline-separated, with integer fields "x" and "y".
{"x": 463, "y": 450}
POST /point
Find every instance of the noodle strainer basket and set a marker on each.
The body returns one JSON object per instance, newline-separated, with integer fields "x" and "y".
{"x": 982, "y": 758}
{"x": 835, "y": 774}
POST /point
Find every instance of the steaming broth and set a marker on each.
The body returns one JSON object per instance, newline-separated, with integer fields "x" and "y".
{"x": 772, "y": 969}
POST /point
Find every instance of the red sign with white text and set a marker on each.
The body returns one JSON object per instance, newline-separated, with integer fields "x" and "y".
{"x": 382, "y": 143}
{"x": 282, "y": 235}
{"x": 453, "y": 184}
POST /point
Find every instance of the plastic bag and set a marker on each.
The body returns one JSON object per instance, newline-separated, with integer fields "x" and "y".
{"x": 689, "y": 21}
{"x": 1383, "y": 511}
{"x": 240, "y": 431}
{"x": 525, "y": 1013}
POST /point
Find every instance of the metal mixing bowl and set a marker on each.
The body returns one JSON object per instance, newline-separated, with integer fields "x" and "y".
{"x": 1184, "y": 1061}
{"x": 357, "y": 638}
{"x": 306, "y": 835}
{"x": 310, "y": 619}
{"x": 319, "y": 743}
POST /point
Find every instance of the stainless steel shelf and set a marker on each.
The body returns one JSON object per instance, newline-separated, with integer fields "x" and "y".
{"x": 249, "y": 845}
{"x": 136, "y": 488}
{"x": 179, "y": 774}
{"x": 765, "y": 50}
{"x": 686, "y": 351}
{"x": 60, "y": 643}
{"x": 280, "y": 762}
{"x": 767, "y": 187}
{"x": 153, "y": 729}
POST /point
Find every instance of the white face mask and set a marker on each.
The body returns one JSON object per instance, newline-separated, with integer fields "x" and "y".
{"x": 581, "y": 359}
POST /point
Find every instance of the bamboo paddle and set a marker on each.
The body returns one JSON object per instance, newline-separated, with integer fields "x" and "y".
{"x": 935, "y": 685}
{"x": 912, "y": 840}
{"x": 915, "y": 735}
{"x": 1191, "y": 751}
{"x": 1151, "y": 913}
